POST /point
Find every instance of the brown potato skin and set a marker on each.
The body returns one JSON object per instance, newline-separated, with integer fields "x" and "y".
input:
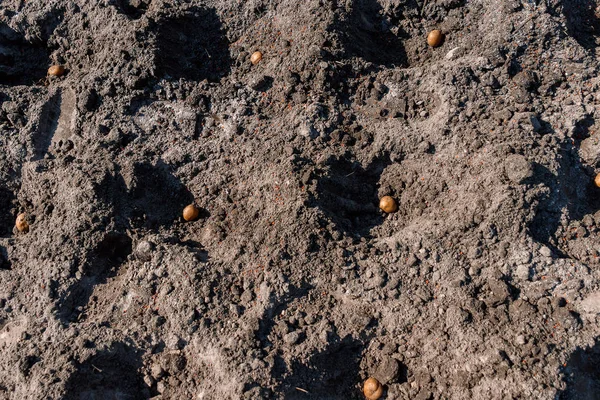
{"x": 388, "y": 205}
{"x": 256, "y": 57}
{"x": 56, "y": 70}
{"x": 435, "y": 38}
{"x": 372, "y": 389}
{"x": 21, "y": 223}
{"x": 191, "y": 212}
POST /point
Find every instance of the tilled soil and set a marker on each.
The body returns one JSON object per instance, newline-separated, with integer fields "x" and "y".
{"x": 292, "y": 284}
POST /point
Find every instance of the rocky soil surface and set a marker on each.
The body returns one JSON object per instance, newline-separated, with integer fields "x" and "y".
{"x": 292, "y": 284}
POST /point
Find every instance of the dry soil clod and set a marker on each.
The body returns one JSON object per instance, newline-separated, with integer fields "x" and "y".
{"x": 21, "y": 223}
{"x": 191, "y": 212}
{"x": 372, "y": 389}
{"x": 388, "y": 204}
{"x": 435, "y": 38}
{"x": 256, "y": 57}
{"x": 597, "y": 180}
{"x": 56, "y": 70}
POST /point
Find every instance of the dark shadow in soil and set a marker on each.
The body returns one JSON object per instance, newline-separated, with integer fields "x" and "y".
{"x": 154, "y": 199}
{"x": 7, "y": 217}
{"x": 330, "y": 374}
{"x": 101, "y": 263}
{"x": 4, "y": 260}
{"x": 571, "y": 188}
{"x": 347, "y": 194}
{"x": 583, "y": 22}
{"x": 193, "y": 46}
{"x": 133, "y": 9}
{"x": 21, "y": 62}
{"x": 582, "y": 374}
{"x": 109, "y": 374}
{"x": 364, "y": 34}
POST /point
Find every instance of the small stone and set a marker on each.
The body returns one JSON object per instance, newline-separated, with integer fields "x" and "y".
{"x": 143, "y": 250}
{"x": 590, "y": 304}
{"x": 523, "y": 272}
{"x": 452, "y": 53}
{"x": 157, "y": 371}
{"x": 292, "y": 337}
{"x": 517, "y": 168}
{"x": 412, "y": 260}
{"x": 545, "y": 251}
{"x": 388, "y": 370}
{"x": 499, "y": 292}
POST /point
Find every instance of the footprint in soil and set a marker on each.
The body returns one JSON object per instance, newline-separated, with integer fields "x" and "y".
{"x": 330, "y": 374}
{"x": 21, "y": 62}
{"x": 193, "y": 46}
{"x": 101, "y": 263}
{"x": 582, "y": 374}
{"x": 109, "y": 374}
{"x": 347, "y": 194}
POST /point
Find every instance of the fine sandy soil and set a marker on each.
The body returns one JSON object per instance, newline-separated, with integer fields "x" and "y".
{"x": 292, "y": 284}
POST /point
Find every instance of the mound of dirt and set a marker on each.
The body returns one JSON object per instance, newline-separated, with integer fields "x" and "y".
{"x": 292, "y": 283}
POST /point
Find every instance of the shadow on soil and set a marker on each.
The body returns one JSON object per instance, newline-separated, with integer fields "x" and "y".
{"x": 7, "y": 198}
{"x": 571, "y": 188}
{"x": 133, "y": 9}
{"x": 193, "y": 46}
{"x": 21, "y": 62}
{"x": 364, "y": 33}
{"x": 4, "y": 260}
{"x": 583, "y": 22}
{"x": 582, "y": 374}
{"x": 347, "y": 194}
{"x": 330, "y": 374}
{"x": 154, "y": 197}
{"x": 109, "y": 374}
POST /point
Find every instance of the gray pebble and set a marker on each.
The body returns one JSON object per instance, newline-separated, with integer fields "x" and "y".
{"x": 143, "y": 250}
{"x": 517, "y": 168}
{"x": 545, "y": 251}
